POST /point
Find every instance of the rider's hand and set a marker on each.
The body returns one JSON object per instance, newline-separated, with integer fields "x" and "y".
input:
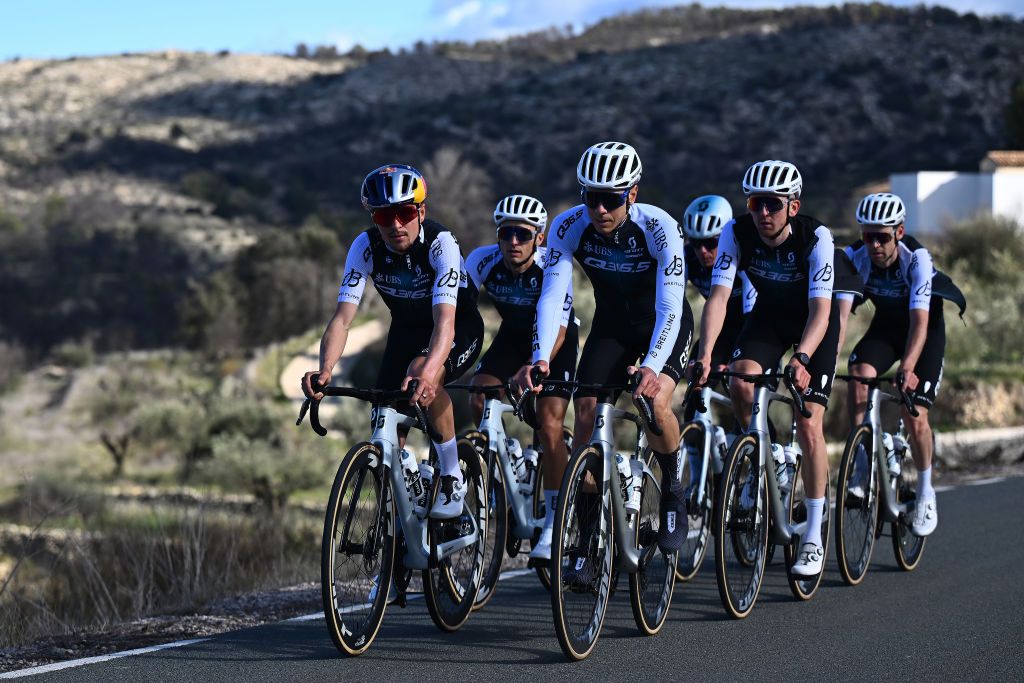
{"x": 426, "y": 390}
{"x": 801, "y": 378}
{"x": 705, "y": 363}
{"x": 323, "y": 378}
{"x": 648, "y": 386}
{"x": 523, "y": 379}
{"x": 910, "y": 379}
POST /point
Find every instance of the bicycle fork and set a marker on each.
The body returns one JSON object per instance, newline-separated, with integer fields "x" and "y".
{"x": 491, "y": 425}
{"x": 891, "y": 510}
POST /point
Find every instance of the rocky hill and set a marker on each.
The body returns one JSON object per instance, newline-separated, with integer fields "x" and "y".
{"x": 212, "y": 151}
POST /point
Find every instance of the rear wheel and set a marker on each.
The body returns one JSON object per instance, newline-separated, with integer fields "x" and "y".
{"x": 907, "y": 547}
{"x": 539, "y": 512}
{"x": 651, "y": 586}
{"x": 358, "y": 550}
{"x": 452, "y": 584}
{"x": 698, "y": 509}
{"x": 741, "y": 528}
{"x": 582, "y": 549}
{"x": 804, "y": 588}
{"x": 856, "y": 515}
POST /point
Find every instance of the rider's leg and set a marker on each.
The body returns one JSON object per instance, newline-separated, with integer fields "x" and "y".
{"x": 476, "y": 401}
{"x": 742, "y": 392}
{"x": 857, "y": 393}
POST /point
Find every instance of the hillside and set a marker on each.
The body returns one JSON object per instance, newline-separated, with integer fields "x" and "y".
{"x": 202, "y": 156}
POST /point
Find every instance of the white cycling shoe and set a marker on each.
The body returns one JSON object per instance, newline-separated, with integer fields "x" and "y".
{"x": 859, "y": 479}
{"x": 542, "y": 550}
{"x": 926, "y": 517}
{"x": 810, "y": 560}
{"x": 448, "y": 504}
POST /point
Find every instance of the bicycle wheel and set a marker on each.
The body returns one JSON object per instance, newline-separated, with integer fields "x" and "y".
{"x": 497, "y": 529}
{"x": 358, "y": 550}
{"x": 451, "y": 586}
{"x": 698, "y": 511}
{"x": 741, "y": 528}
{"x": 539, "y": 512}
{"x": 856, "y": 516}
{"x": 651, "y": 586}
{"x": 582, "y": 547}
{"x": 907, "y": 547}
{"x": 803, "y": 589}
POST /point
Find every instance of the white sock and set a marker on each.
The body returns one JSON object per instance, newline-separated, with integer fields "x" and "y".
{"x": 815, "y": 506}
{"x": 448, "y": 456}
{"x": 924, "y": 484}
{"x": 550, "y": 501}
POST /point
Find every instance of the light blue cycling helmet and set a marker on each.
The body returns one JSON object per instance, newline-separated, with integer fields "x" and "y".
{"x": 706, "y": 217}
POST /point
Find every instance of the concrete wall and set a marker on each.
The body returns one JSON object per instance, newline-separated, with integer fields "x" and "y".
{"x": 935, "y": 198}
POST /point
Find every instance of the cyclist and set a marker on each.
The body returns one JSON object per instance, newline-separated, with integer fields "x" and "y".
{"x": 436, "y": 329}
{"x": 789, "y": 259}
{"x": 633, "y": 255}
{"x": 511, "y": 272}
{"x": 908, "y": 326}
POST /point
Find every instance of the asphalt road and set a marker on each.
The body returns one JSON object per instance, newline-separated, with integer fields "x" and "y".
{"x": 958, "y": 616}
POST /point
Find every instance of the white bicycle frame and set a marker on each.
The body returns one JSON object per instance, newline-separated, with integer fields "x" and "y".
{"x": 492, "y": 425}
{"x": 710, "y": 457}
{"x": 891, "y": 509}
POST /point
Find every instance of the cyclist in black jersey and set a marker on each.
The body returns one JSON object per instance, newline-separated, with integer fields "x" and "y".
{"x": 436, "y": 330}
{"x": 908, "y": 326}
{"x": 633, "y": 255}
{"x": 512, "y": 273}
{"x": 790, "y": 260}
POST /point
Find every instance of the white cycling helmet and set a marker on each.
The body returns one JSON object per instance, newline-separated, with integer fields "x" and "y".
{"x": 882, "y": 209}
{"x": 773, "y": 177}
{"x": 706, "y": 217}
{"x": 609, "y": 166}
{"x": 521, "y": 208}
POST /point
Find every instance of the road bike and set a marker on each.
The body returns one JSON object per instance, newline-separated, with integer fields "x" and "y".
{"x": 753, "y": 512}
{"x": 363, "y": 552}
{"x": 878, "y": 490}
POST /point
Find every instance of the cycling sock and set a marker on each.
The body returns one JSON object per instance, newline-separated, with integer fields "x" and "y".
{"x": 924, "y": 484}
{"x": 815, "y": 506}
{"x": 448, "y": 457}
{"x": 550, "y": 501}
{"x": 671, "y": 470}
{"x": 695, "y": 463}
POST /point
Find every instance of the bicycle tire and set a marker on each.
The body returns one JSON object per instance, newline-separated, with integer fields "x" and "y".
{"x": 691, "y": 554}
{"x": 856, "y": 516}
{"x": 497, "y": 530}
{"x": 578, "y": 539}
{"x": 652, "y": 585}
{"x": 353, "y": 617}
{"x": 804, "y": 588}
{"x": 739, "y": 577}
{"x": 907, "y": 547}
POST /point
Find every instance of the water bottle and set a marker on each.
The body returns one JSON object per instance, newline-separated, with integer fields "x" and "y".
{"x": 426, "y": 478}
{"x": 781, "y": 475}
{"x": 719, "y": 449}
{"x": 411, "y": 472}
{"x": 636, "y": 485}
{"x": 894, "y": 449}
{"x": 792, "y": 452}
{"x": 625, "y": 474}
{"x": 530, "y": 460}
{"x": 515, "y": 456}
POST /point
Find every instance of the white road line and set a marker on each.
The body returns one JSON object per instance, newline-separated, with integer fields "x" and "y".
{"x": 982, "y": 482}
{"x": 47, "y": 668}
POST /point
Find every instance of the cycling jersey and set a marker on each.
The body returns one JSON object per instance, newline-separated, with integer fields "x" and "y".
{"x": 741, "y": 301}
{"x": 515, "y": 295}
{"x": 637, "y": 272}
{"x": 431, "y": 272}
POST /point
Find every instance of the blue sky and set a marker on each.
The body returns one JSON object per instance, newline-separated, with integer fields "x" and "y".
{"x": 63, "y": 28}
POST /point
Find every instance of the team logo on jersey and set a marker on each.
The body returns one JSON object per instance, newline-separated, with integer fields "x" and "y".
{"x": 824, "y": 273}
{"x": 632, "y": 242}
{"x": 352, "y": 278}
{"x": 724, "y": 262}
{"x": 533, "y": 283}
{"x": 435, "y": 249}
{"x": 449, "y": 279}
{"x": 563, "y": 228}
{"x": 792, "y": 257}
{"x": 366, "y": 253}
{"x": 554, "y": 256}
{"x": 483, "y": 264}
{"x": 914, "y": 262}
{"x": 675, "y": 268}
{"x": 925, "y": 289}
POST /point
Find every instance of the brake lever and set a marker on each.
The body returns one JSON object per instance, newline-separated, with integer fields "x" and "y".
{"x": 905, "y": 395}
{"x": 644, "y": 405}
{"x": 789, "y": 376}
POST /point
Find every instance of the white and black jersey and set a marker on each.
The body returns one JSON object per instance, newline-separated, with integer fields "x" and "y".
{"x": 515, "y": 295}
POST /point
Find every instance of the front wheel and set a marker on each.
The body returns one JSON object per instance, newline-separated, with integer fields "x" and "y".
{"x": 582, "y": 549}
{"x": 804, "y": 588}
{"x": 698, "y": 507}
{"x": 741, "y": 527}
{"x": 856, "y": 506}
{"x": 358, "y": 550}
{"x": 452, "y": 584}
{"x": 907, "y": 547}
{"x": 651, "y": 586}
{"x": 497, "y": 530}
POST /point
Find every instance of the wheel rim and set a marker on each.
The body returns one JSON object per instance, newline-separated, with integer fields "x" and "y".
{"x": 801, "y": 588}
{"x": 698, "y": 512}
{"x": 856, "y": 516}
{"x": 497, "y": 528}
{"x": 652, "y": 585}
{"x": 743, "y": 530}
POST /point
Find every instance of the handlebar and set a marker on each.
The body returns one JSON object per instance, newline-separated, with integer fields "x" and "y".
{"x": 375, "y": 396}
{"x": 787, "y": 376}
{"x": 897, "y": 381}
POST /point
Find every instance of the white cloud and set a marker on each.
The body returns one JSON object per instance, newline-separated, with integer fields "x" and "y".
{"x": 460, "y": 13}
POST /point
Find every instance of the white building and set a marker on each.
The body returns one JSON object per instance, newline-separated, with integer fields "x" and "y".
{"x": 935, "y": 198}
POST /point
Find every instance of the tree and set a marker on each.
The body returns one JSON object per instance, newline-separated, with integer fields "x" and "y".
{"x": 1015, "y": 116}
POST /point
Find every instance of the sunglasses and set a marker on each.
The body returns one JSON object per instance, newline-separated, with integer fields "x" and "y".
{"x": 609, "y": 200}
{"x": 710, "y": 244}
{"x": 507, "y": 232}
{"x": 773, "y": 204}
{"x": 882, "y": 238}
{"x": 385, "y": 217}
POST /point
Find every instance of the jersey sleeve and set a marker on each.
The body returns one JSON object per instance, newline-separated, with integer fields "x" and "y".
{"x": 447, "y": 264}
{"x": 357, "y": 271}
{"x": 724, "y": 272}
{"x": 821, "y": 265}
{"x": 920, "y": 277}
{"x": 749, "y": 294}
{"x": 666, "y": 243}
{"x": 479, "y": 263}
{"x": 555, "y": 291}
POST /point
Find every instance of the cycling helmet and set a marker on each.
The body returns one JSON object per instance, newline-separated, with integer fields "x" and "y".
{"x": 706, "y": 217}
{"x": 609, "y": 166}
{"x": 521, "y": 208}
{"x": 881, "y": 209}
{"x": 773, "y": 177}
{"x": 392, "y": 185}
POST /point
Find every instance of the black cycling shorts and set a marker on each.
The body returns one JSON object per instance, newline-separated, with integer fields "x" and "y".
{"x": 767, "y": 336}
{"x": 610, "y": 350}
{"x": 726, "y": 342}
{"x": 510, "y": 350}
{"x": 406, "y": 343}
{"x": 884, "y": 343}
